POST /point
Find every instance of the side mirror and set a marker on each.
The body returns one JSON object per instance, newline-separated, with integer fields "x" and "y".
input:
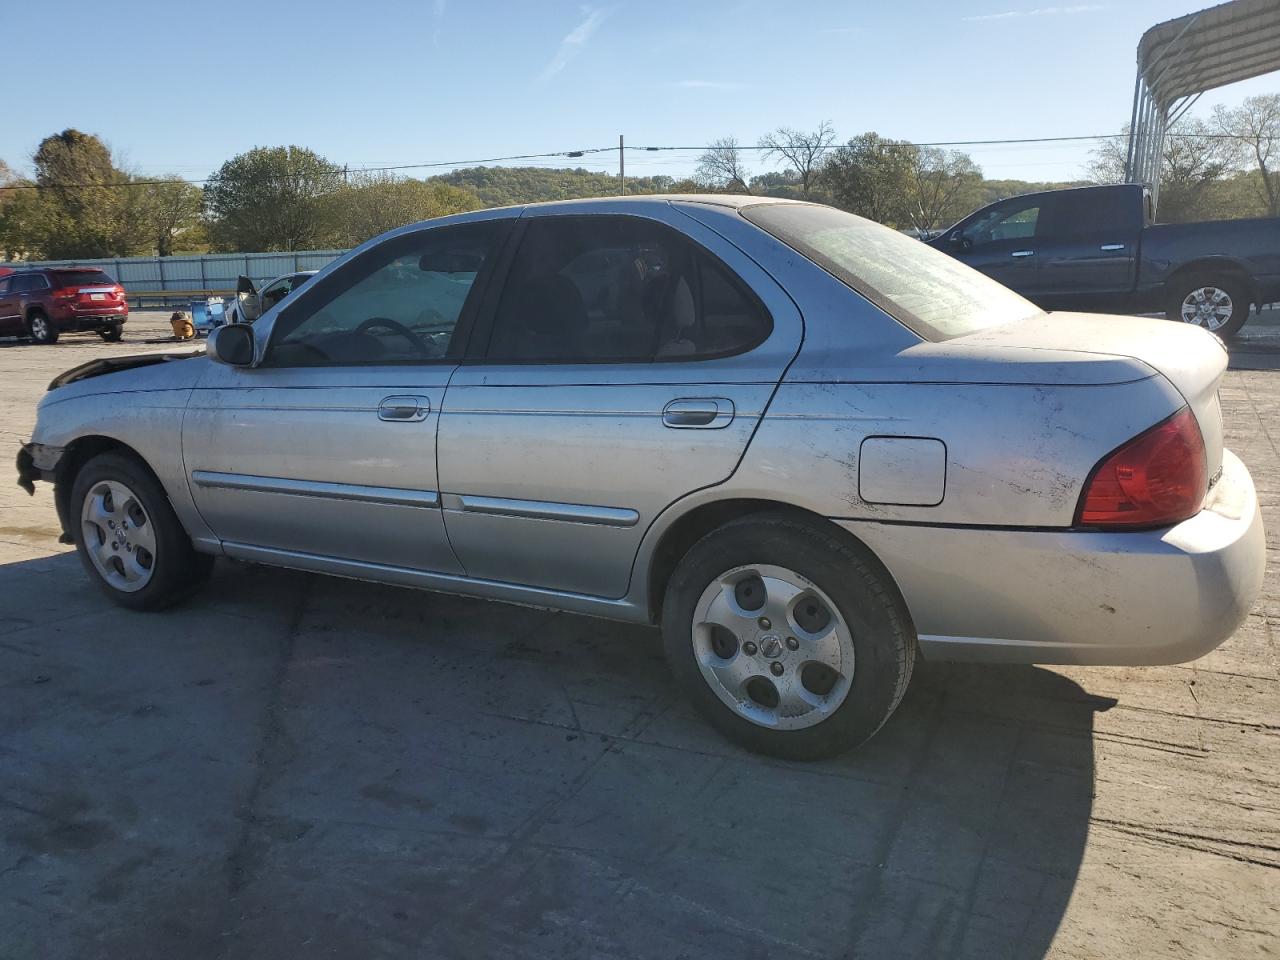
{"x": 231, "y": 344}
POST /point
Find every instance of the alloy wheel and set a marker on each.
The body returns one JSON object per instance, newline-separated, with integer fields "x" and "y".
{"x": 39, "y": 327}
{"x": 773, "y": 647}
{"x": 118, "y": 536}
{"x": 1209, "y": 307}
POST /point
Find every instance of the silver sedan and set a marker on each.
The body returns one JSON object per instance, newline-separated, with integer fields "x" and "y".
{"x": 809, "y": 448}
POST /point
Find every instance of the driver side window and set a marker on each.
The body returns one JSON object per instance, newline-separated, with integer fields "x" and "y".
{"x": 1010, "y": 222}
{"x": 398, "y": 303}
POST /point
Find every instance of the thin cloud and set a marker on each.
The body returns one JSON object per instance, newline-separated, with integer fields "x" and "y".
{"x": 574, "y": 41}
{"x": 708, "y": 84}
{"x": 437, "y": 15}
{"x": 1039, "y": 12}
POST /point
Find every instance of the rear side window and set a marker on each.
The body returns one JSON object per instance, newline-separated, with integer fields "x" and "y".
{"x": 930, "y": 293}
{"x": 29, "y": 282}
{"x": 82, "y": 278}
{"x": 619, "y": 289}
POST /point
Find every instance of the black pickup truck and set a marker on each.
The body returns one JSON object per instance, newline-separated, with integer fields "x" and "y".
{"x": 1096, "y": 248}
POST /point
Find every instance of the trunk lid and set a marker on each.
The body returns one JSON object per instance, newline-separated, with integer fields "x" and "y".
{"x": 1190, "y": 358}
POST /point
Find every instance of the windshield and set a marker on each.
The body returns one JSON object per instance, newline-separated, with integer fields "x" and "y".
{"x": 929, "y": 292}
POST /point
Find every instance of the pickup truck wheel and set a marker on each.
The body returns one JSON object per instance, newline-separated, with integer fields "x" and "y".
{"x": 112, "y": 334}
{"x": 129, "y": 539}
{"x": 41, "y": 328}
{"x": 789, "y": 640}
{"x": 1219, "y": 304}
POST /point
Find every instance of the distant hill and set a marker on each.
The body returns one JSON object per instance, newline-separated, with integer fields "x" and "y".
{"x": 499, "y": 186}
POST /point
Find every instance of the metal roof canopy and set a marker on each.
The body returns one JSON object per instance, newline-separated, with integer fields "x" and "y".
{"x": 1180, "y": 59}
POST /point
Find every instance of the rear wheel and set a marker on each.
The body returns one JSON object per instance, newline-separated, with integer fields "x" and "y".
{"x": 41, "y": 328}
{"x": 113, "y": 333}
{"x": 790, "y": 640}
{"x": 128, "y": 537}
{"x": 1220, "y": 304}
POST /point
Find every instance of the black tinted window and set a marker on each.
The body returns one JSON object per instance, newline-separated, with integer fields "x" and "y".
{"x": 398, "y": 303}
{"x": 621, "y": 289}
{"x": 82, "y": 278}
{"x": 1084, "y": 213}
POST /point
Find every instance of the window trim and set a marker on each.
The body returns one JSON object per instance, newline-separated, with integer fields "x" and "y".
{"x": 485, "y": 320}
{"x": 333, "y": 286}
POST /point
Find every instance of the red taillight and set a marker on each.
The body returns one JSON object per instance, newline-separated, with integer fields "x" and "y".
{"x": 118, "y": 292}
{"x": 1158, "y": 478}
{"x": 66, "y": 293}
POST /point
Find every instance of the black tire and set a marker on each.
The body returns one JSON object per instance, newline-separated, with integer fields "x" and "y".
{"x": 113, "y": 333}
{"x": 177, "y": 570}
{"x": 884, "y": 639}
{"x": 41, "y": 328}
{"x": 1233, "y": 287}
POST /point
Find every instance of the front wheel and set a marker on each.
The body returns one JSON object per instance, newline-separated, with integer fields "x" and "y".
{"x": 129, "y": 539}
{"x": 1219, "y": 304}
{"x": 791, "y": 640}
{"x": 42, "y": 329}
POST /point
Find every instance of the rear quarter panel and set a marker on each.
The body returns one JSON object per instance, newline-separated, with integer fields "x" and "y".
{"x": 1016, "y": 454}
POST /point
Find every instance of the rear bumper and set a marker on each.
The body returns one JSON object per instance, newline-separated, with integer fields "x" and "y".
{"x": 82, "y": 320}
{"x": 1025, "y": 596}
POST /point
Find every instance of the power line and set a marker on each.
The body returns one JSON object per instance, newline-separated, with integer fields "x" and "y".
{"x": 575, "y": 154}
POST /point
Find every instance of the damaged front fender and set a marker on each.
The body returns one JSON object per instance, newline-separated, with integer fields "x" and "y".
{"x": 37, "y": 461}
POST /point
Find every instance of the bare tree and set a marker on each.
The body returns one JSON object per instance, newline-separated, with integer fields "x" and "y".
{"x": 1196, "y": 157}
{"x": 721, "y": 167}
{"x": 943, "y": 187}
{"x": 803, "y": 151}
{"x": 1254, "y": 127}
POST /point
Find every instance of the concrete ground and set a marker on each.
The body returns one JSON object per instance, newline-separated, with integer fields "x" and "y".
{"x": 295, "y": 766}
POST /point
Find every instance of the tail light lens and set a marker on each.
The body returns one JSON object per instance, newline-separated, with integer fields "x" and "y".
{"x": 1158, "y": 478}
{"x": 66, "y": 293}
{"x": 118, "y": 292}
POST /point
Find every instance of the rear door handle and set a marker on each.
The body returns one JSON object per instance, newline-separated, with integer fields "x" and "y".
{"x": 1111, "y": 247}
{"x": 404, "y": 409}
{"x": 1023, "y": 253}
{"x": 706, "y": 413}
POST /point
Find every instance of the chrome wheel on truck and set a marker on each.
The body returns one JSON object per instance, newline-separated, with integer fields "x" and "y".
{"x": 1218, "y": 304}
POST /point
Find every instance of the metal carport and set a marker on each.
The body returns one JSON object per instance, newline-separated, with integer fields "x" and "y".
{"x": 1180, "y": 59}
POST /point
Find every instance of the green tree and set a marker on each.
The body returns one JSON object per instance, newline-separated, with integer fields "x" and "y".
{"x": 873, "y": 177}
{"x": 376, "y": 202}
{"x": 1254, "y": 129}
{"x": 1194, "y": 161}
{"x": 272, "y": 198}
{"x": 943, "y": 187}
{"x": 79, "y": 189}
{"x": 171, "y": 208}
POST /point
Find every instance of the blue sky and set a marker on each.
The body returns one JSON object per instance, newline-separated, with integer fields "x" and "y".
{"x": 179, "y": 87}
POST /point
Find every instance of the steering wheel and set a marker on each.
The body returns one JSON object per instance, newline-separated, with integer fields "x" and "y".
{"x": 396, "y": 327}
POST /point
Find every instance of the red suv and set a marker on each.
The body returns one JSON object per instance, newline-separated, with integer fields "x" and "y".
{"x": 54, "y": 300}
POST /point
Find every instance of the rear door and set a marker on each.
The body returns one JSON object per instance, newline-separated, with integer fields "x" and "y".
{"x": 623, "y": 363}
{"x": 1087, "y": 246}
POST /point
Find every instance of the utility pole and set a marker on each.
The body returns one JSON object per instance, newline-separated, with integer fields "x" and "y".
{"x": 622, "y": 166}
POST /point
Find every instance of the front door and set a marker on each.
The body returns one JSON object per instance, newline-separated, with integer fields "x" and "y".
{"x": 620, "y": 366}
{"x": 328, "y": 448}
{"x": 10, "y": 316}
{"x": 1001, "y": 242}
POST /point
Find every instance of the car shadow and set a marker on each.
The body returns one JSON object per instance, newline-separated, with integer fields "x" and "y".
{"x": 289, "y": 760}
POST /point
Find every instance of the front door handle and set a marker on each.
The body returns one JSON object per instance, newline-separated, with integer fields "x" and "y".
{"x": 404, "y": 409}
{"x": 1023, "y": 253}
{"x": 706, "y": 413}
{"x": 1111, "y": 247}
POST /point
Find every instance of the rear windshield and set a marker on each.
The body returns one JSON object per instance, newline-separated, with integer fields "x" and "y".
{"x": 933, "y": 294}
{"x": 81, "y": 278}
